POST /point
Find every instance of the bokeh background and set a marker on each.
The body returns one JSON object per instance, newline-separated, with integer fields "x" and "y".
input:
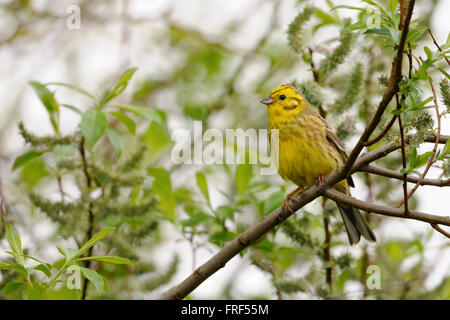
{"x": 212, "y": 61}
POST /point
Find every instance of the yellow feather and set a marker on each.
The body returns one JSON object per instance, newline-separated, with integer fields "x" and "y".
{"x": 308, "y": 148}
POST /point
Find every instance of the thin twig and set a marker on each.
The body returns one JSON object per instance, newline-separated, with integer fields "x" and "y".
{"x": 431, "y": 159}
{"x": 405, "y": 175}
{"x": 327, "y": 254}
{"x": 90, "y": 230}
{"x": 383, "y": 210}
{"x": 397, "y": 175}
{"x": 437, "y": 45}
{"x": 391, "y": 90}
{"x": 439, "y": 229}
{"x": 382, "y": 134}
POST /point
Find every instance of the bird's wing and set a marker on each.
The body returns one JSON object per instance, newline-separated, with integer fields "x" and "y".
{"x": 337, "y": 144}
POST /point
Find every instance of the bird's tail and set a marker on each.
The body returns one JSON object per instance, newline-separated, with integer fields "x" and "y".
{"x": 355, "y": 224}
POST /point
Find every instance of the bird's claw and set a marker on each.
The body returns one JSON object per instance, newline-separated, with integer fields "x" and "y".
{"x": 289, "y": 197}
{"x": 319, "y": 182}
{"x": 286, "y": 204}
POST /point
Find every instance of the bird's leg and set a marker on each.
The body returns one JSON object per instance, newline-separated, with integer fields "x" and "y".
{"x": 319, "y": 181}
{"x": 289, "y": 197}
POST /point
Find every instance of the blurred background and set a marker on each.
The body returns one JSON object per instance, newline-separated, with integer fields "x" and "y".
{"x": 211, "y": 61}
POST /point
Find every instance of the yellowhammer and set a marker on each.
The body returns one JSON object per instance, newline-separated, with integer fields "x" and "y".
{"x": 308, "y": 150}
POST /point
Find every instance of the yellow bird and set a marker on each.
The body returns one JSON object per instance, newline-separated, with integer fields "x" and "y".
{"x": 308, "y": 150}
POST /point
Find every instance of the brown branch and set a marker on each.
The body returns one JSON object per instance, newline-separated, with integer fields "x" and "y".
{"x": 382, "y": 134}
{"x": 397, "y": 175}
{"x": 402, "y": 138}
{"x": 327, "y": 254}
{"x": 439, "y": 229}
{"x": 402, "y": 14}
{"x": 82, "y": 150}
{"x": 383, "y": 210}
{"x": 268, "y": 222}
{"x": 391, "y": 90}
{"x": 280, "y": 214}
{"x": 437, "y": 45}
{"x": 431, "y": 159}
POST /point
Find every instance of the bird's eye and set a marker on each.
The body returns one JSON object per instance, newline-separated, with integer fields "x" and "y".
{"x": 282, "y": 97}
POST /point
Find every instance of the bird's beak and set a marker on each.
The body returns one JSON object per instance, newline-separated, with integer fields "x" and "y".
{"x": 267, "y": 100}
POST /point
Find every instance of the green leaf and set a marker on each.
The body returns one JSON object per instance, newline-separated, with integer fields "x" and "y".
{"x": 126, "y": 120}
{"x": 13, "y": 286}
{"x": 93, "y": 241}
{"x": 45, "y": 268}
{"x": 162, "y": 186}
{"x": 16, "y": 244}
{"x": 344, "y": 6}
{"x": 428, "y": 53}
{"x": 202, "y": 184}
{"x": 225, "y": 212}
{"x": 273, "y": 202}
{"x": 16, "y": 266}
{"x": 392, "y": 6}
{"x": 115, "y": 139}
{"x": 146, "y": 112}
{"x": 157, "y": 138}
{"x": 123, "y": 80}
{"x": 48, "y": 100}
{"x": 195, "y": 220}
{"x": 68, "y": 253}
{"x": 71, "y": 107}
{"x": 446, "y": 149}
{"x": 243, "y": 176}
{"x": 422, "y": 160}
{"x": 33, "y": 172}
{"x": 24, "y": 158}
{"x": 93, "y": 126}
{"x": 99, "y": 282}
{"x": 120, "y": 86}
{"x": 73, "y": 87}
{"x": 415, "y": 34}
{"x": 109, "y": 259}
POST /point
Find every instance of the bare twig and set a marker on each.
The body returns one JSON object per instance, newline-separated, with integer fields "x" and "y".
{"x": 89, "y": 232}
{"x": 439, "y": 229}
{"x": 431, "y": 159}
{"x": 397, "y": 175}
{"x": 402, "y": 138}
{"x": 327, "y": 254}
{"x": 382, "y": 134}
{"x": 392, "y": 88}
{"x": 383, "y": 210}
{"x": 438, "y": 46}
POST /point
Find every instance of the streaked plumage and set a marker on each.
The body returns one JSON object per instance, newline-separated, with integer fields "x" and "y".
{"x": 309, "y": 149}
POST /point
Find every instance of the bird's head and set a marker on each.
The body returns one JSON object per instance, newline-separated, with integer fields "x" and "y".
{"x": 284, "y": 102}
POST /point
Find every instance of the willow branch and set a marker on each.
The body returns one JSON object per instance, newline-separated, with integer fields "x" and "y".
{"x": 280, "y": 214}
{"x": 397, "y": 175}
{"x": 439, "y": 229}
{"x": 431, "y": 159}
{"x": 382, "y": 134}
{"x": 82, "y": 150}
{"x": 438, "y": 46}
{"x": 383, "y": 210}
{"x": 270, "y": 221}
{"x": 391, "y": 90}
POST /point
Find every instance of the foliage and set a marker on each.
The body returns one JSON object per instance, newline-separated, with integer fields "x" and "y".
{"x": 114, "y": 171}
